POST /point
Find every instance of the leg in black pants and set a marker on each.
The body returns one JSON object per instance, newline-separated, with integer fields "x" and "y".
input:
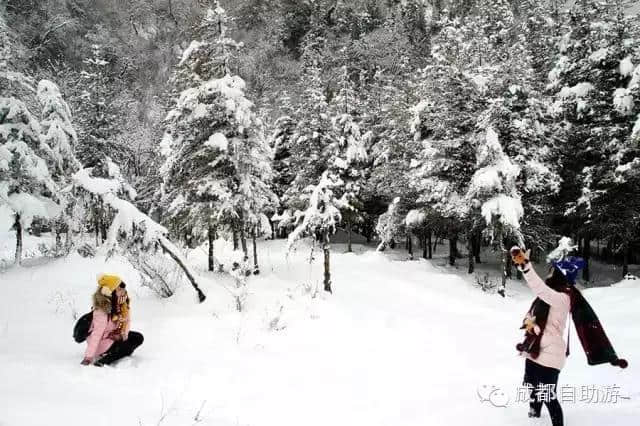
{"x": 536, "y": 375}
{"x": 121, "y": 349}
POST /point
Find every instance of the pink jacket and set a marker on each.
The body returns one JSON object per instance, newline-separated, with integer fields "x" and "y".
{"x": 552, "y": 345}
{"x": 102, "y": 334}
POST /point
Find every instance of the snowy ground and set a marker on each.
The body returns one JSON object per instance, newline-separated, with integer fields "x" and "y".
{"x": 398, "y": 343}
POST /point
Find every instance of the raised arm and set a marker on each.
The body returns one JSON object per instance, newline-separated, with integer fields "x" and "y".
{"x": 543, "y": 291}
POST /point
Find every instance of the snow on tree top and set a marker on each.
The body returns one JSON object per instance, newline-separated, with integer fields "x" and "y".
{"x": 415, "y": 218}
{"x": 599, "y": 55}
{"x": 580, "y": 90}
{"x": 194, "y": 46}
{"x": 219, "y": 141}
{"x": 29, "y": 206}
{"x": 623, "y": 101}
{"x": 127, "y": 217}
{"x": 508, "y": 210}
{"x": 626, "y": 67}
{"x": 635, "y": 134}
{"x": 115, "y": 183}
{"x": 16, "y": 118}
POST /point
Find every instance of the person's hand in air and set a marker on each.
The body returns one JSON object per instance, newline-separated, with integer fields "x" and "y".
{"x": 520, "y": 258}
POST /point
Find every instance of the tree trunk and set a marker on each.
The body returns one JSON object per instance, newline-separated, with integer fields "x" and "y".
{"x": 503, "y": 255}
{"x": 625, "y": 261}
{"x": 243, "y": 241}
{"x": 235, "y": 238}
{"x": 349, "y": 249}
{"x": 210, "y": 235}
{"x": 103, "y": 230}
{"x": 256, "y": 268}
{"x": 429, "y": 244}
{"x": 453, "y": 248}
{"x": 58, "y": 240}
{"x": 97, "y": 229}
{"x": 508, "y": 271}
{"x": 425, "y": 244}
{"x": 477, "y": 240}
{"x": 167, "y": 247}
{"x": 435, "y": 243}
{"x": 410, "y": 246}
{"x": 68, "y": 240}
{"x": 327, "y": 271}
{"x": 586, "y": 275}
{"x": 18, "y": 225}
{"x": 471, "y": 255}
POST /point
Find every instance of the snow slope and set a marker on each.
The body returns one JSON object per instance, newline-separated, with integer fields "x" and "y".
{"x": 398, "y": 343}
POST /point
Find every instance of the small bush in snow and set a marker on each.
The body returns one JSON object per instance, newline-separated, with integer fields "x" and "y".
{"x": 159, "y": 272}
{"x": 86, "y": 250}
{"x": 485, "y": 282}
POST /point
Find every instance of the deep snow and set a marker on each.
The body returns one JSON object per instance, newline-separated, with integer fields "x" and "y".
{"x": 398, "y": 343}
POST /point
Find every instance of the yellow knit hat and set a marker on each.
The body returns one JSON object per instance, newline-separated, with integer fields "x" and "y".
{"x": 108, "y": 283}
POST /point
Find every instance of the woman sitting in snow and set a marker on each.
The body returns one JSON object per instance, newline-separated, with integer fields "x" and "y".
{"x": 109, "y": 337}
{"x": 544, "y": 325}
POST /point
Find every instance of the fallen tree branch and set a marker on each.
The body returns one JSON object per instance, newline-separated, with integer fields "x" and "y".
{"x": 169, "y": 248}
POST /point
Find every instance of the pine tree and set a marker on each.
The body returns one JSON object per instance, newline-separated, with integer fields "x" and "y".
{"x": 218, "y": 165}
{"x": 97, "y": 115}
{"x": 493, "y": 196}
{"x": 103, "y": 187}
{"x": 281, "y": 142}
{"x": 58, "y": 132}
{"x": 27, "y": 189}
{"x": 350, "y": 154}
{"x": 594, "y": 103}
{"x": 319, "y": 219}
{"x": 445, "y": 123}
{"x": 314, "y": 138}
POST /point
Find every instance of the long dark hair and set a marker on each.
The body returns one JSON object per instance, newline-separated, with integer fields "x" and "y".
{"x": 557, "y": 281}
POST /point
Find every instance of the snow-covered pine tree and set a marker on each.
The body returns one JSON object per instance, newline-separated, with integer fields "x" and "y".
{"x": 444, "y": 123}
{"x": 493, "y": 197}
{"x": 350, "y": 153}
{"x": 124, "y": 225}
{"x": 390, "y": 225}
{"x": 520, "y": 118}
{"x": 314, "y": 138}
{"x": 319, "y": 219}
{"x": 58, "y": 132}
{"x": 210, "y": 55}
{"x": 594, "y": 103}
{"x": 216, "y": 156}
{"x": 418, "y": 223}
{"x": 281, "y": 142}
{"x": 27, "y": 189}
{"x": 90, "y": 210}
{"x": 388, "y": 99}
{"x": 96, "y": 114}
{"x": 255, "y": 199}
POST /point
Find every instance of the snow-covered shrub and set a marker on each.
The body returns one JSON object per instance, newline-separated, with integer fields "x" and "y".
{"x": 63, "y": 302}
{"x": 86, "y": 250}
{"x": 390, "y": 224}
{"x": 485, "y": 282}
{"x": 158, "y": 272}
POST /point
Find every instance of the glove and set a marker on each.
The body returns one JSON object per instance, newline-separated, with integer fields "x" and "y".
{"x": 86, "y": 361}
{"x": 520, "y": 258}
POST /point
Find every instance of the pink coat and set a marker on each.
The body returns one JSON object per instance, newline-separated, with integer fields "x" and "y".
{"x": 102, "y": 334}
{"x": 553, "y": 348}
